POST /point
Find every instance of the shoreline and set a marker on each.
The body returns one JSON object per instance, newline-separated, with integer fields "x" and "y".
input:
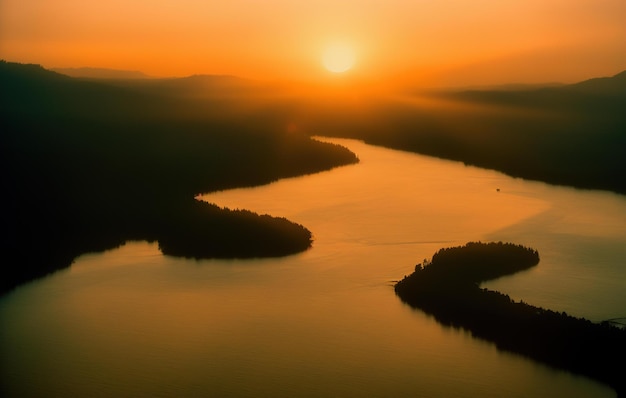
{"x": 447, "y": 288}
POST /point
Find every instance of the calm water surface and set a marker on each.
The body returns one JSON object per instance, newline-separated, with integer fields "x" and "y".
{"x": 324, "y": 323}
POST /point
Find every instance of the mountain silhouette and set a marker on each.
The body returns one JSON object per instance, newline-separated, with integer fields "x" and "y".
{"x": 566, "y": 135}
{"x": 583, "y": 95}
{"x": 91, "y": 164}
{"x": 101, "y": 73}
{"x": 615, "y": 85}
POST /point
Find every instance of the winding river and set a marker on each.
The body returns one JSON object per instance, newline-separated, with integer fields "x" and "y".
{"x": 324, "y": 323}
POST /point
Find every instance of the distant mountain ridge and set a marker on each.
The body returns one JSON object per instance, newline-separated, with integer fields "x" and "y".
{"x": 29, "y": 86}
{"x": 193, "y": 85}
{"x": 101, "y": 73}
{"x": 596, "y": 94}
{"x": 615, "y": 84}
{"x": 609, "y": 85}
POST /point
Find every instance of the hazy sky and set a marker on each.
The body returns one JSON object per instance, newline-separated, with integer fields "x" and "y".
{"x": 428, "y": 41}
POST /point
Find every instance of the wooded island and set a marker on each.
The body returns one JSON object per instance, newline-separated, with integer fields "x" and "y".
{"x": 448, "y": 288}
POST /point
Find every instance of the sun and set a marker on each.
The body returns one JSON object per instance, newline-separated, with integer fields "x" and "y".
{"x": 338, "y": 58}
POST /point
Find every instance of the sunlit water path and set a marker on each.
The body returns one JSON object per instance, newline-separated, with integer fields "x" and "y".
{"x": 133, "y": 323}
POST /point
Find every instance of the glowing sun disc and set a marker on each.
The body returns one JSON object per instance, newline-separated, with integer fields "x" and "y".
{"x": 338, "y": 58}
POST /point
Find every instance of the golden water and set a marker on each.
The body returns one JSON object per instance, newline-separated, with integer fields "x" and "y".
{"x": 324, "y": 323}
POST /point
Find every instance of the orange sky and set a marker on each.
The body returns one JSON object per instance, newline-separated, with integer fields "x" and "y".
{"x": 447, "y": 42}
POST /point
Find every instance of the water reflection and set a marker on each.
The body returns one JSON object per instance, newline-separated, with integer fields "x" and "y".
{"x": 416, "y": 205}
{"x": 131, "y": 322}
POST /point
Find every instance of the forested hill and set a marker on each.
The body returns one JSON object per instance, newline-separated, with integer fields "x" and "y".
{"x": 571, "y": 135}
{"x": 101, "y": 73}
{"x": 604, "y": 95}
{"x": 91, "y": 164}
{"x": 448, "y": 288}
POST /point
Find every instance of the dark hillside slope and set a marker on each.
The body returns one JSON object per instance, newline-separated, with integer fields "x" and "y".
{"x": 88, "y": 166}
{"x": 573, "y": 135}
{"x": 615, "y": 85}
{"x": 101, "y": 73}
{"x": 568, "y": 135}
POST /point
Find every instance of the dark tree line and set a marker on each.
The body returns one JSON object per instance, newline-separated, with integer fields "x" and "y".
{"x": 89, "y": 165}
{"x": 448, "y": 288}
{"x": 569, "y": 135}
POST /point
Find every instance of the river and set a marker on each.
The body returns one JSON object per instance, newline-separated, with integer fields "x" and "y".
{"x": 324, "y": 323}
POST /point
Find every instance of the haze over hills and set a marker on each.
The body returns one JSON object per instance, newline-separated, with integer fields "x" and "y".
{"x": 605, "y": 85}
{"x": 124, "y": 142}
{"x": 596, "y": 88}
{"x": 91, "y": 165}
{"x": 101, "y": 73}
{"x": 197, "y": 86}
{"x": 568, "y": 135}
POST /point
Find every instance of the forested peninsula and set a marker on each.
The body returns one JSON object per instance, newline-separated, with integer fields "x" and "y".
{"x": 448, "y": 288}
{"x": 91, "y": 164}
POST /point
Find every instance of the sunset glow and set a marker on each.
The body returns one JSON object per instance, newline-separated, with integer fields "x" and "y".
{"x": 438, "y": 43}
{"x": 329, "y": 198}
